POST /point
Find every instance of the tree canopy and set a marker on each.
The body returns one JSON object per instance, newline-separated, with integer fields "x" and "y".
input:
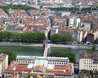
{"x": 17, "y": 7}
{"x": 67, "y": 38}
{"x": 36, "y": 37}
{"x": 63, "y": 54}
{"x": 57, "y": 38}
{"x": 93, "y": 47}
{"x": 63, "y": 9}
{"x": 11, "y": 55}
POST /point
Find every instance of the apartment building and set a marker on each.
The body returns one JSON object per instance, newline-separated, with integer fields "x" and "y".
{"x": 3, "y": 14}
{"x": 88, "y": 62}
{"x": 3, "y": 62}
{"x": 17, "y": 13}
{"x": 51, "y": 60}
{"x": 78, "y": 34}
{"x": 40, "y": 67}
{"x": 92, "y": 35}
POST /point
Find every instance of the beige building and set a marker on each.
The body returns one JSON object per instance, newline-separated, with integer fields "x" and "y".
{"x": 0, "y": 68}
{"x": 40, "y": 67}
{"x": 78, "y": 34}
{"x": 3, "y": 62}
{"x": 88, "y": 62}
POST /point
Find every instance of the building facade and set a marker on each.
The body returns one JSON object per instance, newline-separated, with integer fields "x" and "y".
{"x": 88, "y": 62}
{"x": 3, "y": 63}
{"x": 40, "y": 67}
{"x": 51, "y": 60}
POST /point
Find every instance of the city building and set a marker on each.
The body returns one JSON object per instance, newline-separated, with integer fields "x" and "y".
{"x": 92, "y": 36}
{"x": 51, "y": 60}
{"x": 17, "y": 13}
{"x": 40, "y": 67}
{"x": 88, "y": 62}
{"x": 3, "y": 63}
{"x": 78, "y": 34}
{"x": 3, "y": 14}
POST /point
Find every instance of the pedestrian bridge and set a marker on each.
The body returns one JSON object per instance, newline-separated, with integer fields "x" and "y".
{"x": 47, "y": 46}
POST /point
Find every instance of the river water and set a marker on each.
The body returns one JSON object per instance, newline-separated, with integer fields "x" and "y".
{"x": 25, "y": 50}
{"x": 77, "y": 52}
{"x": 38, "y": 51}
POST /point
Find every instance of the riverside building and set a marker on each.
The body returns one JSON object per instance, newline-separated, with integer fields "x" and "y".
{"x": 3, "y": 62}
{"x": 41, "y": 67}
{"x": 88, "y": 62}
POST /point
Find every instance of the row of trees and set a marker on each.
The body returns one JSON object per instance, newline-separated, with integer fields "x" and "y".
{"x": 22, "y": 37}
{"x": 88, "y": 9}
{"x": 17, "y": 7}
{"x": 64, "y": 54}
{"x": 57, "y": 38}
{"x": 63, "y": 9}
{"x": 70, "y": 9}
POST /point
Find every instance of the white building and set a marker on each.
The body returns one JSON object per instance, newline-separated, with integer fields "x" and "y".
{"x": 51, "y": 60}
{"x": 77, "y": 34}
{"x": 74, "y": 21}
{"x": 88, "y": 62}
{"x": 3, "y": 62}
{"x": 85, "y": 25}
{"x": 51, "y": 1}
{"x": 41, "y": 67}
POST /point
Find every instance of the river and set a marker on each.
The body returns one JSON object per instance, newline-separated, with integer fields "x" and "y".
{"x": 77, "y": 52}
{"x": 25, "y": 50}
{"x": 38, "y": 51}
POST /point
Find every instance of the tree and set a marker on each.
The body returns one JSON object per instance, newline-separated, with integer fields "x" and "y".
{"x": 64, "y": 54}
{"x": 94, "y": 47}
{"x": 1, "y": 36}
{"x": 28, "y": 75}
{"x": 5, "y": 35}
{"x": 12, "y": 55}
{"x": 33, "y": 37}
{"x": 40, "y": 37}
{"x": 16, "y": 36}
{"x": 17, "y": 7}
{"x": 63, "y": 9}
{"x": 56, "y": 38}
{"x": 22, "y": 37}
{"x": 67, "y": 38}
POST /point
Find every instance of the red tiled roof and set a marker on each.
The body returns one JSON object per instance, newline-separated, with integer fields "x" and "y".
{"x": 22, "y": 66}
{"x": 19, "y": 27}
{"x": 88, "y": 55}
{"x": 62, "y": 70}
{"x": 89, "y": 19}
{"x": 33, "y": 74}
{"x": 69, "y": 29}
{"x": 38, "y": 68}
{"x": 15, "y": 67}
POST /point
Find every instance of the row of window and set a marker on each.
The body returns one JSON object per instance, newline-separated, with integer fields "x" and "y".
{"x": 26, "y": 62}
{"x": 57, "y": 63}
{"x": 90, "y": 66}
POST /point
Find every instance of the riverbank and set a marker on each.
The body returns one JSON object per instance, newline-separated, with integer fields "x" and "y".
{"x": 51, "y": 45}
{"x": 72, "y": 46}
{"x": 19, "y": 44}
{"x": 33, "y": 45}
